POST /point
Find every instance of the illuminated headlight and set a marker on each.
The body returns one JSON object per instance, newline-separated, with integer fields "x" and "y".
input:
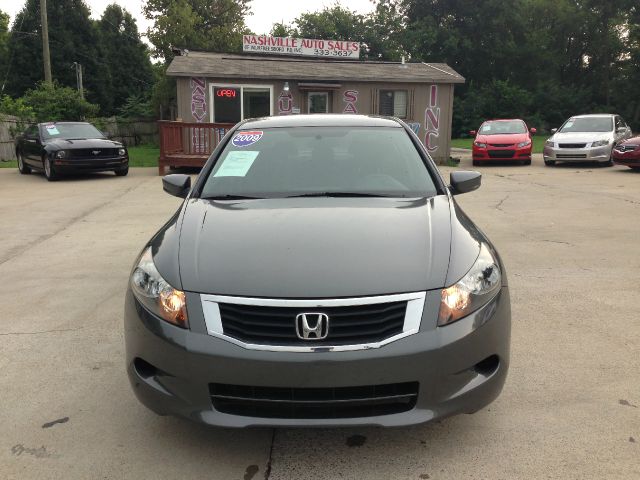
{"x": 480, "y": 144}
{"x": 122, "y": 152}
{"x": 474, "y": 290}
{"x": 156, "y": 294}
{"x": 600, "y": 143}
{"x": 61, "y": 154}
{"x": 549, "y": 143}
{"x": 524, "y": 144}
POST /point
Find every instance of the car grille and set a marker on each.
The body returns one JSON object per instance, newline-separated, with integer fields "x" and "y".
{"x": 572, "y": 145}
{"x": 571, "y": 155}
{"x": 338, "y": 402}
{"x": 501, "y": 144}
{"x": 91, "y": 153}
{"x": 501, "y": 153}
{"x": 348, "y": 325}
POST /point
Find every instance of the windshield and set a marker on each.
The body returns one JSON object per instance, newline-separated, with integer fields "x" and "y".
{"x": 587, "y": 124}
{"x": 503, "y": 126}
{"x": 69, "y": 131}
{"x": 323, "y": 161}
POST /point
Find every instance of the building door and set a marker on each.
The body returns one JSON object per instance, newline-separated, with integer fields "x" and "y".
{"x": 318, "y": 102}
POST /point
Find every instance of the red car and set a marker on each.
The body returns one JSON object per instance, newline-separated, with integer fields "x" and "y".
{"x": 502, "y": 140}
{"x": 627, "y": 153}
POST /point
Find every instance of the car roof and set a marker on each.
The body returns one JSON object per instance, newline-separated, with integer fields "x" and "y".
{"x": 63, "y": 123}
{"x": 594, "y": 115}
{"x": 504, "y": 120}
{"x": 321, "y": 120}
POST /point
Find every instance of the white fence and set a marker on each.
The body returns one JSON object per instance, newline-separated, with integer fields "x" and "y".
{"x": 7, "y": 148}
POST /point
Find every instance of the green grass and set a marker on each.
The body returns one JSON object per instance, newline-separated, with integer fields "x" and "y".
{"x": 538, "y": 142}
{"x": 141, "y": 156}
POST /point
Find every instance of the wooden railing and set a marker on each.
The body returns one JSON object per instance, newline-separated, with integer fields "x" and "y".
{"x": 185, "y": 144}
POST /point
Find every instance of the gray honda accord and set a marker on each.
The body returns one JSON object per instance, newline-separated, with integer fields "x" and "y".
{"x": 318, "y": 273}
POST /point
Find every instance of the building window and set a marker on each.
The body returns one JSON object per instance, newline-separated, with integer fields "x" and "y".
{"x": 233, "y": 103}
{"x": 318, "y": 102}
{"x": 393, "y": 103}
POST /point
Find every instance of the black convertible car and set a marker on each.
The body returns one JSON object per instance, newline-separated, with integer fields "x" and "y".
{"x": 64, "y": 147}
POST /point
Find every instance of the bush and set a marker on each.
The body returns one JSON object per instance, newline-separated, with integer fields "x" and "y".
{"x": 52, "y": 102}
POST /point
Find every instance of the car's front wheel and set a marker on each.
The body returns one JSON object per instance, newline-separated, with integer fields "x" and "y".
{"x": 121, "y": 172}
{"x": 22, "y": 167}
{"x": 49, "y": 172}
{"x": 549, "y": 163}
{"x": 475, "y": 163}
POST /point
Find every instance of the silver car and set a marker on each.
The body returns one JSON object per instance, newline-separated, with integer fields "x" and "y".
{"x": 586, "y": 138}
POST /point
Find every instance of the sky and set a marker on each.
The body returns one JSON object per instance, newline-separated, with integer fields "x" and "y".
{"x": 265, "y": 12}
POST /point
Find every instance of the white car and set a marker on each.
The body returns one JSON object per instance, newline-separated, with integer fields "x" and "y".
{"x": 586, "y": 138}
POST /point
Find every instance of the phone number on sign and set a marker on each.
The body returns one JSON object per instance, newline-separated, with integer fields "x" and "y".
{"x": 332, "y": 53}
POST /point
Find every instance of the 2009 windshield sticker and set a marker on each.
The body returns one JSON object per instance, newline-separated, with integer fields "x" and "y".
{"x": 244, "y": 139}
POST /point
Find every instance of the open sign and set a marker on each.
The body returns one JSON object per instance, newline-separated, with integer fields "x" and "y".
{"x": 244, "y": 139}
{"x": 226, "y": 92}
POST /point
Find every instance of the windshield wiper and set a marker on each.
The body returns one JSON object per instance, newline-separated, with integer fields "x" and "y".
{"x": 230, "y": 197}
{"x": 340, "y": 194}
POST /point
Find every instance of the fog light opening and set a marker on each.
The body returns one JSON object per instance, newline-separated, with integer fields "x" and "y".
{"x": 144, "y": 368}
{"x": 487, "y": 366}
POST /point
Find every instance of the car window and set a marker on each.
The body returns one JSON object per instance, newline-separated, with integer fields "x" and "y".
{"x": 587, "y": 124}
{"x": 70, "y": 131}
{"x": 281, "y": 162}
{"x": 503, "y": 127}
{"x": 31, "y": 132}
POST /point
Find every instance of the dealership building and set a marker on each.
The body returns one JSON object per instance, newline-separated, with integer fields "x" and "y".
{"x": 279, "y": 76}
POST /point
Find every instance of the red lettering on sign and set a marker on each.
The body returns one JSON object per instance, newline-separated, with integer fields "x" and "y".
{"x": 226, "y": 92}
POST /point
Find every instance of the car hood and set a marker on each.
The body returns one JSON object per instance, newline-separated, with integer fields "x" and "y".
{"x": 632, "y": 141}
{"x": 503, "y": 138}
{"x": 314, "y": 247}
{"x": 61, "y": 144}
{"x": 580, "y": 137}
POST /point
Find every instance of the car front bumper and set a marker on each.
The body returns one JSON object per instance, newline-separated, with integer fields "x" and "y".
{"x": 630, "y": 158}
{"x": 587, "y": 154}
{"x": 90, "y": 165}
{"x": 499, "y": 154}
{"x": 171, "y": 369}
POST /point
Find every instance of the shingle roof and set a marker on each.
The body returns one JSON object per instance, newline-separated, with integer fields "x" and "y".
{"x": 224, "y": 65}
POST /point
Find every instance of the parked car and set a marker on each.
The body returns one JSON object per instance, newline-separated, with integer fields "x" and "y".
{"x": 319, "y": 272}
{"x": 57, "y": 148}
{"x": 586, "y": 138}
{"x": 627, "y": 153}
{"x": 502, "y": 140}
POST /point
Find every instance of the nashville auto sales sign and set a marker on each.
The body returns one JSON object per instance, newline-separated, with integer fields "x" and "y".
{"x": 300, "y": 46}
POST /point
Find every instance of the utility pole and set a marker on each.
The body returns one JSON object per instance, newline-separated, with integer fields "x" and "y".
{"x": 45, "y": 41}
{"x": 79, "y": 79}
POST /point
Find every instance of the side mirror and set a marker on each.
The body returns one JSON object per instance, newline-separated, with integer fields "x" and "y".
{"x": 533, "y": 130}
{"x": 472, "y": 132}
{"x": 554, "y": 130}
{"x": 464, "y": 181}
{"x": 177, "y": 184}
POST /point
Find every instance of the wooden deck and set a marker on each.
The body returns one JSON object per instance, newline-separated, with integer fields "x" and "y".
{"x": 185, "y": 144}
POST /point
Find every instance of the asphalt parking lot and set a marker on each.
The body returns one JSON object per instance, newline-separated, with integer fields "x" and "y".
{"x": 569, "y": 237}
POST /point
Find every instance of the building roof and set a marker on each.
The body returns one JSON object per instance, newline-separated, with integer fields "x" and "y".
{"x": 227, "y": 65}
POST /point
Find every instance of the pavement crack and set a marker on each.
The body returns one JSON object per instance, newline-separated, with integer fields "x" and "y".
{"x": 55, "y": 330}
{"x": 498, "y": 205}
{"x": 267, "y": 471}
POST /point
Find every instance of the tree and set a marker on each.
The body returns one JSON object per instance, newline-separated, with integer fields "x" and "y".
{"x": 209, "y": 25}
{"x": 73, "y": 38}
{"x": 126, "y": 57}
{"x": 54, "y": 102}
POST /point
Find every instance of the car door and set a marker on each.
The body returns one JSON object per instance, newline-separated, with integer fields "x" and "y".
{"x": 31, "y": 146}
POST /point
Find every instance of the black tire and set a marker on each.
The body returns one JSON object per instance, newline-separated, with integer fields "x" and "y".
{"x": 23, "y": 168}
{"x": 637, "y": 169}
{"x": 527, "y": 162}
{"x": 549, "y": 163}
{"x": 121, "y": 172}
{"x": 49, "y": 171}
{"x": 608, "y": 163}
{"x": 475, "y": 163}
